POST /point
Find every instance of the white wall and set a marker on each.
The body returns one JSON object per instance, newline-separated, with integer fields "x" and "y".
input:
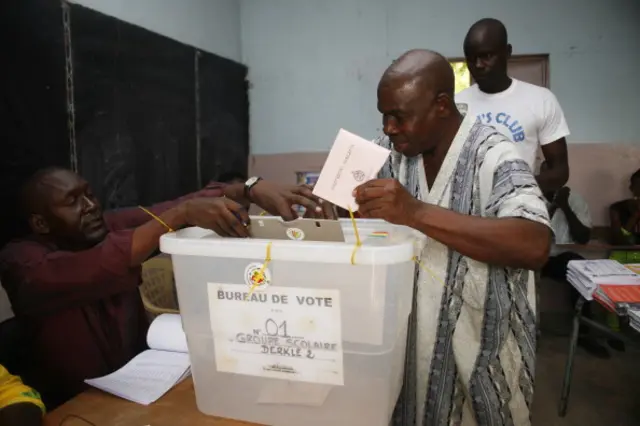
{"x": 314, "y": 65}
{"x": 211, "y": 25}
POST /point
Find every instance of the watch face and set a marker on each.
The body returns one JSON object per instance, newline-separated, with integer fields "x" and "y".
{"x": 251, "y": 181}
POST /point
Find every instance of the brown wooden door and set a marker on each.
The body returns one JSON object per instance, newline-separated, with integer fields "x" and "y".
{"x": 533, "y": 69}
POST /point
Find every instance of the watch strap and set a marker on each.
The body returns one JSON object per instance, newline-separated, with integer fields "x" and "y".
{"x": 250, "y": 184}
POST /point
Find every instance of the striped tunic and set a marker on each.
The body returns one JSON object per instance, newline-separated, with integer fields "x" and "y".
{"x": 471, "y": 342}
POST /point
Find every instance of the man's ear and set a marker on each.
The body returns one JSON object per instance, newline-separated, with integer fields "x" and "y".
{"x": 445, "y": 105}
{"x": 38, "y": 224}
{"x": 509, "y": 50}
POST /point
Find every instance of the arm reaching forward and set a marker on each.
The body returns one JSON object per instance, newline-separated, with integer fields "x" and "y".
{"x": 40, "y": 281}
{"x": 513, "y": 230}
{"x": 512, "y": 242}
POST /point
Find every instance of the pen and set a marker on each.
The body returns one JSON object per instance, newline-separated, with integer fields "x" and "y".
{"x": 237, "y": 215}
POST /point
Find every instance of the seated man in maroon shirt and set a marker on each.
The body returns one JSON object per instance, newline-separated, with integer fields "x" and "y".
{"x": 73, "y": 282}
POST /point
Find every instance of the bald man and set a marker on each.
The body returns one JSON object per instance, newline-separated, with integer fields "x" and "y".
{"x": 471, "y": 342}
{"x": 529, "y": 115}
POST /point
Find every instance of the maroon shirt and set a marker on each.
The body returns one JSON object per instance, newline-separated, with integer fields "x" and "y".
{"x": 81, "y": 310}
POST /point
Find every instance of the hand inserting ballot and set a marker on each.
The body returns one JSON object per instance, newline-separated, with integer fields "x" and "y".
{"x": 222, "y": 215}
{"x": 387, "y": 199}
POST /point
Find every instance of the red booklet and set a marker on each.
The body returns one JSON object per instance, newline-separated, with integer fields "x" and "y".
{"x": 622, "y": 293}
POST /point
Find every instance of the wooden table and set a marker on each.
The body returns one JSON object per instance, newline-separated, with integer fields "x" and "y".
{"x": 176, "y": 408}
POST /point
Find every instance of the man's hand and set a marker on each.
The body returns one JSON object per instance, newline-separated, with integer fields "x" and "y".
{"x": 329, "y": 211}
{"x": 387, "y": 199}
{"x": 562, "y": 197}
{"x": 222, "y": 215}
{"x": 279, "y": 200}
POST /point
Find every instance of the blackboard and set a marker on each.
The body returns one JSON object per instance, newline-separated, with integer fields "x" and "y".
{"x": 135, "y": 110}
{"x": 33, "y": 118}
{"x": 224, "y": 116}
{"x": 154, "y": 118}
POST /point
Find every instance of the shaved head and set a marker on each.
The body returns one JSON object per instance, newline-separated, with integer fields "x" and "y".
{"x": 415, "y": 97}
{"x": 489, "y": 28}
{"x": 426, "y": 68}
{"x": 487, "y": 52}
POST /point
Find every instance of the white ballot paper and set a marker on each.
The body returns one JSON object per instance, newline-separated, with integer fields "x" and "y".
{"x": 352, "y": 161}
{"x": 152, "y": 373}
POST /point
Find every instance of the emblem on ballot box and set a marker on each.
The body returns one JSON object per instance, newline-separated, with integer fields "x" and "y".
{"x": 257, "y": 278}
{"x": 295, "y": 234}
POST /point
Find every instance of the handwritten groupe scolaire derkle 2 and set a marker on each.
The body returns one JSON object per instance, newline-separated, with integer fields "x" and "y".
{"x": 352, "y": 161}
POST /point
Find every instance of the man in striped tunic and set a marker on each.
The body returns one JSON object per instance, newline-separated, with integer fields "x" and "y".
{"x": 471, "y": 343}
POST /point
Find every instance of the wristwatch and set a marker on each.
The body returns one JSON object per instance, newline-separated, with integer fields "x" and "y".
{"x": 250, "y": 183}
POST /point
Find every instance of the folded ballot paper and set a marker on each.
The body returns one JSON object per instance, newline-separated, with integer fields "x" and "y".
{"x": 152, "y": 373}
{"x": 352, "y": 161}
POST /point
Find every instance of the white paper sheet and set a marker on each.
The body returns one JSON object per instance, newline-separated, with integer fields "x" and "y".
{"x": 152, "y": 373}
{"x": 587, "y": 275}
{"x": 604, "y": 271}
{"x": 166, "y": 334}
{"x": 146, "y": 377}
{"x": 287, "y": 333}
{"x": 352, "y": 161}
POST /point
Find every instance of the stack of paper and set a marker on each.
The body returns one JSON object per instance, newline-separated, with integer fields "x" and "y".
{"x": 588, "y": 276}
{"x": 152, "y": 373}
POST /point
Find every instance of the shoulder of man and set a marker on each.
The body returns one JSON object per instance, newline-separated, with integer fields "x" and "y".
{"x": 464, "y": 95}
{"x": 534, "y": 92}
{"x": 488, "y": 135}
{"x": 491, "y": 143}
{"x": 21, "y": 252}
{"x": 544, "y": 103}
{"x": 495, "y": 149}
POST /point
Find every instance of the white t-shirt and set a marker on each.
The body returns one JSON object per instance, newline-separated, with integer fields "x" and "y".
{"x": 529, "y": 115}
{"x": 560, "y": 226}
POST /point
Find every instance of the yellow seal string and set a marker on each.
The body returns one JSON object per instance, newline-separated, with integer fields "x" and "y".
{"x": 428, "y": 270}
{"x": 260, "y": 274}
{"x": 156, "y": 218}
{"x": 424, "y": 267}
{"x": 357, "y": 234}
{"x": 420, "y": 264}
{"x": 263, "y": 213}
